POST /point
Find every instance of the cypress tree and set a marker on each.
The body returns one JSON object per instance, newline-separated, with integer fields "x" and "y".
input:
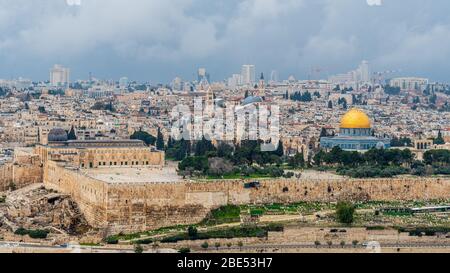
{"x": 160, "y": 140}
{"x": 72, "y": 135}
{"x": 170, "y": 143}
{"x": 280, "y": 150}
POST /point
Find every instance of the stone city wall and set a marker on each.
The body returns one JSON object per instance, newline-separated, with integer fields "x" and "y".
{"x": 131, "y": 207}
{"x": 141, "y": 207}
{"x": 19, "y": 175}
{"x": 88, "y": 193}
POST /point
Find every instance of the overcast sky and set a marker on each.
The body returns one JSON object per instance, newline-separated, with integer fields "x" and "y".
{"x": 157, "y": 40}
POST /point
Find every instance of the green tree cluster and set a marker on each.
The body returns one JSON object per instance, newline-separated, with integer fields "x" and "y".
{"x": 144, "y": 136}
{"x": 245, "y": 160}
{"x": 401, "y": 142}
{"x": 392, "y": 90}
{"x": 373, "y": 163}
{"x": 297, "y": 161}
{"x": 345, "y": 212}
{"x": 303, "y": 97}
{"x": 439, "y": 158}
{"x": 99, "y": 105}
{"x": 178, "y": 150}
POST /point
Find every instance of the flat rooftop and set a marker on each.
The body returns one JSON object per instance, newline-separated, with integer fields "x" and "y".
{"x": 127, "y": 143}
{"x": 134, "y": 175}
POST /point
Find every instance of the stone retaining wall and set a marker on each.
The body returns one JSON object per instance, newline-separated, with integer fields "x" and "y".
{"x": 133, "y": 207}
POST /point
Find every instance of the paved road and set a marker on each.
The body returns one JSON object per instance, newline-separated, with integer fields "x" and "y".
{"x": 93, "y": 249}
{"x": 76, "y": 248}
{"x": 69, "y": 248}
{"x": 337, "y": 246}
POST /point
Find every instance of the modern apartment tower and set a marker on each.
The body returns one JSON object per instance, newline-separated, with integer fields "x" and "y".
{"x": 59, "y": 76}
{"x": 248, "y": 75}
{"x": 364, "y": 72}
{"x": 202, "y": 74}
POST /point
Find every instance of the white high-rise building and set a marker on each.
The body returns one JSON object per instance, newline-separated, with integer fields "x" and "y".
{"x": 364, "y": 71}
{"x": 248, "y": 75}
{"x": 409, "y": 83}
{"x": 234, "y": 81}
{"x": 274, "y": 76}
{"x": 59, "y": 76}
{"x": 123, "y": 82}
{"x": 202, "y": 74}
{"x": 177, "y": 84}
{"x": 353, "y": 78}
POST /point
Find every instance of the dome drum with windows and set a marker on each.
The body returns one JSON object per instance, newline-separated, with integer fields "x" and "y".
{"x": 356, "y": 134}
{"x": 355, "y": 123}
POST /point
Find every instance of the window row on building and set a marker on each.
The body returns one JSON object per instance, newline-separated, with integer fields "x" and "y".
{"x": 115, "y": 163}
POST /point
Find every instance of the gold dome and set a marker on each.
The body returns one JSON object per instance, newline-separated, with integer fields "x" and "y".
{"x": 355, "y": 119}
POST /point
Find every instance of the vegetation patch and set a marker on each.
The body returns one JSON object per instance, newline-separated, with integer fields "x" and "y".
{"x": 136, "y": 236}
{"x": 202, "y": 159}
{"x": 222, "y": 215}
{"x": 286, "y": 209}
{"x": 427, "y": 231}
{"x": 230, "y": 233}
{"x": 90, "y": 244}
{"x": 379, "y": 163}
{"x": 144, "y": 136}
{"x": 345, "y": 212}
{"x": 112, "y": 240}
{"x": 257, "y": 212}
{"x": 375, "y": 228}
{"x": 184, "y": 250}
{"x": 398, "y": 213}
{"x": 32, "y": 233}
{"x": 145, "y": 242}
{"x": 231, "y": 214}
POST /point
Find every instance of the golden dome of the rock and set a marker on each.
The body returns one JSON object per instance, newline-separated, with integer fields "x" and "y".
{"x": 355, "y": 119}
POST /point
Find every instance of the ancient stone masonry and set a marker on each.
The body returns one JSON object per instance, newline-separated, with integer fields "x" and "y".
{"x": 20, "y": 173}
{"x": 139, "y": 207}
{"x": 34, "y": 207}
{"x": 132, "y": 207}
{"x": 89, "y": 194}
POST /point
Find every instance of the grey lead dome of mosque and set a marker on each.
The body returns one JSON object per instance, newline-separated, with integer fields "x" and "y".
{"x": 57, "y": 135}
{"x": 251, "y": 100}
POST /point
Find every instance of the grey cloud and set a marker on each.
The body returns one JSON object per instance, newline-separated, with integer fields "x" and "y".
{"x": 158, "y": 40}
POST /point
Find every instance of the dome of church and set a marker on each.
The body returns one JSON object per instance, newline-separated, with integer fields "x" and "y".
{"x": 57, "y": 135}
{"x": 355, "y": 119}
